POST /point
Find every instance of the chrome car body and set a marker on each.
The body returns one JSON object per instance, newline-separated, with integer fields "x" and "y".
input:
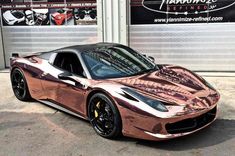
{"x": 166, "y": 102}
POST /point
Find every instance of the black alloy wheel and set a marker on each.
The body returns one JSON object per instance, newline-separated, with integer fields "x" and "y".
{"x": 19, "y": 85}
{"x": 104, "y": 116}
{"x": 82, "y": 15}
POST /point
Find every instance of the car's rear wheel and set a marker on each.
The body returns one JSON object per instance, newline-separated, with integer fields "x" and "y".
{"x": 63, "y": 22}
{"x": 19, "y": 85}
{"x": 92, "y": 15}
{"x": 104, "y": 116}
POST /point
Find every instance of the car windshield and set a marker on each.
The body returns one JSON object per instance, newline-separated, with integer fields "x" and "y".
{"x": 17, "y": 14}
{"x": 116, "y": 62}
{"x": 61, "y": 11}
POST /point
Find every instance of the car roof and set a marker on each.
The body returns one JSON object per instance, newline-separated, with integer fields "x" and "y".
{"x": 86, "y": 47}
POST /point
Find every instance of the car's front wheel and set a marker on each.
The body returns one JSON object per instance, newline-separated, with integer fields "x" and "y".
{"x": 19, "y": 85}
{"x": 104, "y": 116}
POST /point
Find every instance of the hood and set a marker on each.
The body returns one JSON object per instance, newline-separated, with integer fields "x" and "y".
{"x": 41, "y": 11}
{"x": 174, "y": 85}
{"x": 56, "y": 14}
{"x": 8, "y": 15}
{"x": 28, "y": 12}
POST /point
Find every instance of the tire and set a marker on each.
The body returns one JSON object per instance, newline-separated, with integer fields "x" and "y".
{"x": 92, "y": 15}
{"x": 82, "y": 15}
{"x": 76, "y": 16}
{"x": 104, "y": 116}
{"x": 19, "y": 85}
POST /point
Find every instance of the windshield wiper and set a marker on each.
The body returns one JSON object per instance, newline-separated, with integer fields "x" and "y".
{"x": 144, "y": 71}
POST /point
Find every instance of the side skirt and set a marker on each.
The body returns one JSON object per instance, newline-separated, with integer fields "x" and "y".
{"x": 56, "y": 106}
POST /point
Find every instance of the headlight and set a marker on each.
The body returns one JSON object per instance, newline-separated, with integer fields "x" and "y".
{"x": 207, "y": 83}
{"x": 151, "y": 102}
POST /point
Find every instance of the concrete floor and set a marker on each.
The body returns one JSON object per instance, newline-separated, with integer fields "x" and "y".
{"x": 32, "y": 129}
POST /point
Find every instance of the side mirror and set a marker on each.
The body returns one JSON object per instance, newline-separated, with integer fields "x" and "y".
{"x": 67, "y": 76}
{"x": 152, "y": 59}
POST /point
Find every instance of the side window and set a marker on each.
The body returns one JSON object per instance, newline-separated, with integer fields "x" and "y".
{"x": 69, "y": 62}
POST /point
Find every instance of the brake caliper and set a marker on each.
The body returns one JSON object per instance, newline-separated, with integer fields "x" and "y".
{"x": 97, "y": 106}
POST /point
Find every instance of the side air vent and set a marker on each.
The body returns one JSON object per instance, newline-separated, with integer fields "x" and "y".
{"x": 128, "y": 96}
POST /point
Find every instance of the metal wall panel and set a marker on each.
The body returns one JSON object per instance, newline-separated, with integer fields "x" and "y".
{"x": 113, "y": 20}
{"x": 25, "y": 39}
{"x": 199, "y": 47}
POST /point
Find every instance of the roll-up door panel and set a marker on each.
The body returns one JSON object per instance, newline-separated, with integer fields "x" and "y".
{"x": 200, "y": 47}
{"x": 26, "y": 40}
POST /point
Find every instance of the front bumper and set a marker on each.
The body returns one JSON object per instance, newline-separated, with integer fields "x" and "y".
{"x": 9, "y": 22}
{"x": 145, "y": 126}
{"x": 57, "y": 21}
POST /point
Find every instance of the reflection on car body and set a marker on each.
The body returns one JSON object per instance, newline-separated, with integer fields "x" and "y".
{"x": 118, "y": 90}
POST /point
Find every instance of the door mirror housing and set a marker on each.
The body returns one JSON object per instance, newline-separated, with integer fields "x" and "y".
{"x": 152, "y": 59}
{"x": 67, "y": 76}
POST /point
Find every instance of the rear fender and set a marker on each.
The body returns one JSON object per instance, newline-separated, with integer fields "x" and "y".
{"x": 29, "y": 66}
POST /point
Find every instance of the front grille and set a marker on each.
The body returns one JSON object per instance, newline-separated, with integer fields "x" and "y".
{"x": 191, "y": 124}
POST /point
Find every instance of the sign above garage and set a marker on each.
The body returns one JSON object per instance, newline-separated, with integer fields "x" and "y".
{"x": 43, "y": 12}
{"x": 182, "y": 11}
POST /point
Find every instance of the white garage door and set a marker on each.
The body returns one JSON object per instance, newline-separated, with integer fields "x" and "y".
{"x": 171, "y": 39}
{"x": 29, "y": 28}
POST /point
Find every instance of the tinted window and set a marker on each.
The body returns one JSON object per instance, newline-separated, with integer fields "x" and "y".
{"x": 61, "y": 11}
{"x": 114, "y": 62}
{"x": 69, "y": 62}
{"x": 17, "y": 14}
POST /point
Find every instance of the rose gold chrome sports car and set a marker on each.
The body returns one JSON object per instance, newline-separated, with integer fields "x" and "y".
{"x": 117, "y": 89}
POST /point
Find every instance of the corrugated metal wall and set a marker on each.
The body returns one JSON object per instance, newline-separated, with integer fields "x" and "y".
{"x": 25, "y": 39}
{"x": 199, "y": 47}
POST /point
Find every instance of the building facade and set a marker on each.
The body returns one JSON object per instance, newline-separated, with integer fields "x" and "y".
{"x": 197, "y": 34}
